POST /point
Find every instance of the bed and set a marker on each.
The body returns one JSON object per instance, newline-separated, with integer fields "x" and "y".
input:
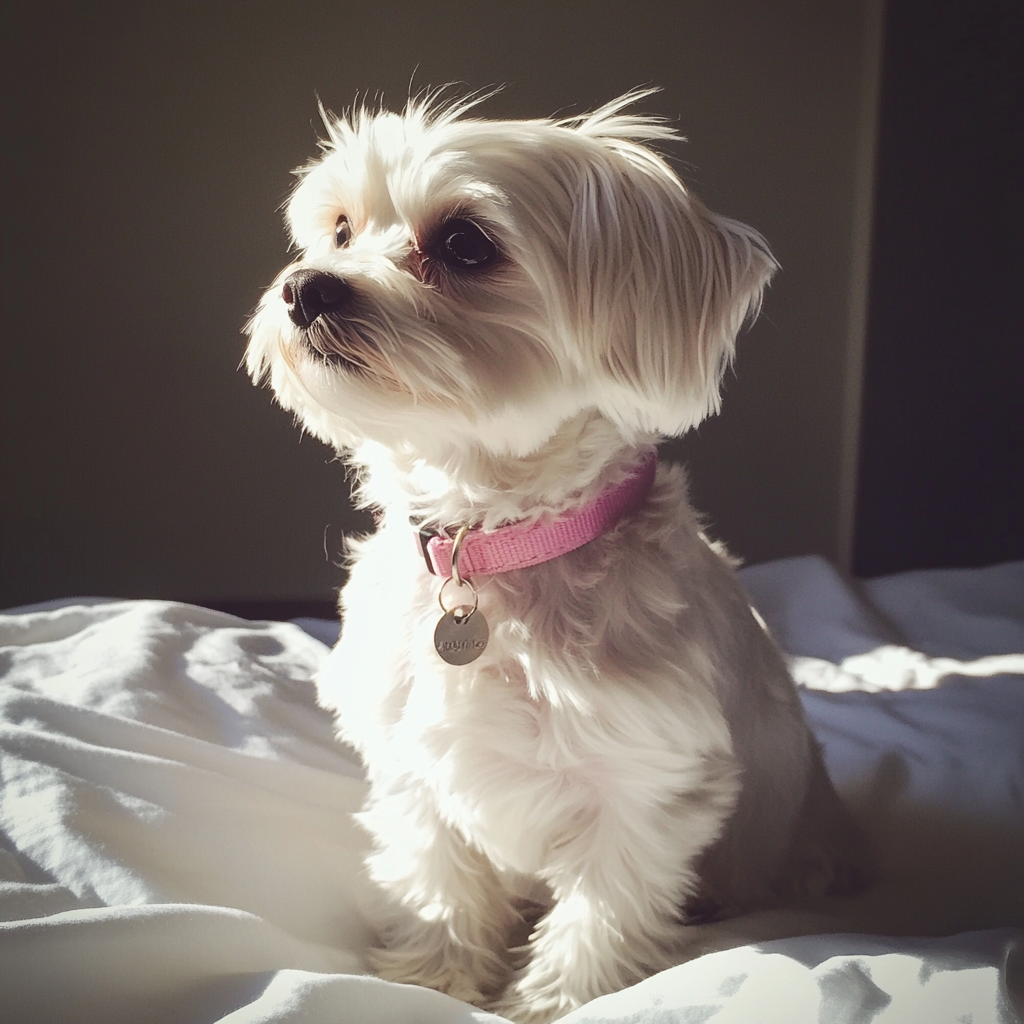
{"x": 176, "y": 842}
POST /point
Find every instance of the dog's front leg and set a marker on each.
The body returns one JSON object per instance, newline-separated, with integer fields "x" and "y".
{"x": 448, "y": 918}
{"x": 619, "y": 886}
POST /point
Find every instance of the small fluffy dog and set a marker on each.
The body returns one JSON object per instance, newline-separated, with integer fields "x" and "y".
{"x": 557, "y": 684}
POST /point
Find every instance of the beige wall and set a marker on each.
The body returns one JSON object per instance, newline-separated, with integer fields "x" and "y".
{"x": 153, "y": 152}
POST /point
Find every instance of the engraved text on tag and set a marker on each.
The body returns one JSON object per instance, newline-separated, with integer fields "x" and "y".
{"x": 461, "y": 636}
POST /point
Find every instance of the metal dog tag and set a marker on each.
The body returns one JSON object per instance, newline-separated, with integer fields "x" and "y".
{"x": 461, "y": 635}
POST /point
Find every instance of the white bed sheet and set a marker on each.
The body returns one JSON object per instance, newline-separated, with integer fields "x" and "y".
{"x": 175, "y": 841}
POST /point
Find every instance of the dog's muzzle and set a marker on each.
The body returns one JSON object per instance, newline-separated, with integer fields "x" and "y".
{"x": 309, "y": 293}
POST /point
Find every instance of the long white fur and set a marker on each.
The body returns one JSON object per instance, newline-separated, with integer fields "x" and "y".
{"x": 630, "y": 740}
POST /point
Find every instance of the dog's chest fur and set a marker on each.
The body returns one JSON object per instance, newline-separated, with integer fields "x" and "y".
{"x": 594, "y": 693}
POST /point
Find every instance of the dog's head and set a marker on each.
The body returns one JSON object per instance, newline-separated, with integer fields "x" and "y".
{"x": 474, "y": 282}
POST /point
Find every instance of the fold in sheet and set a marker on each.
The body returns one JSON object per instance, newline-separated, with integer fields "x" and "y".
{"x": 176, "y": 841}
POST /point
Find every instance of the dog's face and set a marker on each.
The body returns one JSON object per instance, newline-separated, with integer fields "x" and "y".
{"x": 467, "y": 282}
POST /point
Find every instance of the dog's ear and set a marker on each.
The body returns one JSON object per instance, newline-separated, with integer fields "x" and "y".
{"x": 661, "y": 288}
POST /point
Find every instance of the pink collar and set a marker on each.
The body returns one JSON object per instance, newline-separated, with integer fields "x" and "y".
{"x": 517, "y": 547}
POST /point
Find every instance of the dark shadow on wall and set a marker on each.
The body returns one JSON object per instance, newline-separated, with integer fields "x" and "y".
{"x": 941, "y": 478}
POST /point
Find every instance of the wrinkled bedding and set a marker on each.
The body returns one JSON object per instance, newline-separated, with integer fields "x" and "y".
{"x": 176, "y": 842}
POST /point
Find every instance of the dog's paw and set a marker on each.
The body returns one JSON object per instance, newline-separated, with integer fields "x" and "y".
{"x": 430, "y": 970}
{"x": 531, "y": 999}
{"x": 533, "y": 1012}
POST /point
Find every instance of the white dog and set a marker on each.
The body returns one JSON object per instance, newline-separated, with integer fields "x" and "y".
{"x": 497, "y": 320}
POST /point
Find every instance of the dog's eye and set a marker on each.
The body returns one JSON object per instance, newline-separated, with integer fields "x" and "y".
{"x": 461, "y": 244}
{"x": 342, "y": 232}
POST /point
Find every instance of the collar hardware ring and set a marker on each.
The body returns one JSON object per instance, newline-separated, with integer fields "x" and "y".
{"x": 461, "y": 612}
{"x": 456, "y": 550}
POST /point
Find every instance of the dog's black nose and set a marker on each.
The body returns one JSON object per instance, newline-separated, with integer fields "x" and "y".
{"x": 308, "y": 293}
